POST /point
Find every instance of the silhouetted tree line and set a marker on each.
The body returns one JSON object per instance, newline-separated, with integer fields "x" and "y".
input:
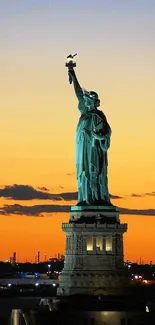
{"x": 14, "y": 268}
{"x": 146, "y": 270}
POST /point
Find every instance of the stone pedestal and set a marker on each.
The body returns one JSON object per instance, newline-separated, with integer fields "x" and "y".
{"x": 94, "y": 252}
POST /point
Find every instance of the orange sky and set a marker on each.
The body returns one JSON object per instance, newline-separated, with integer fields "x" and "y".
{"x": 28, "y": 234}
{"x": 26, "y": 237}
{"x": 116, "y": 50}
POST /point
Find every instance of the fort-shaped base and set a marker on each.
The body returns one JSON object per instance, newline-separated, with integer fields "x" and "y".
{"x": 94, "y": 253}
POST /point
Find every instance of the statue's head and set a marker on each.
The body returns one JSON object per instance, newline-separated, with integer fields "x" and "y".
{"x": 96, "y": 98}
{"x": 91, "y": 99}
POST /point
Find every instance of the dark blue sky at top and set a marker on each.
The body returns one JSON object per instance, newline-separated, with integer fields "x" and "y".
{"x": 97, "y": 5}
{"x": 65, "y": 25}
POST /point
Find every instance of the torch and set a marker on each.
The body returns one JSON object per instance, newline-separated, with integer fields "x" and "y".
{"x": 70, "y": 64}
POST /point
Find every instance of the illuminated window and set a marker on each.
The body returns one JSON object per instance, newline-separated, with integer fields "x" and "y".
{"x": 108, "y": 244}
{"x": 89, "y": 243}
{"x": 99, "y": 243}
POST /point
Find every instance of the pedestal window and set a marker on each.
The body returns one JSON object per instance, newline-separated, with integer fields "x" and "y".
{"x": 99, "y": 243}
{"x": 108, "y": 245}
{"x": 89, "y": 243}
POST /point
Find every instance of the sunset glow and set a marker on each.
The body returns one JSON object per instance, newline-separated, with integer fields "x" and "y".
{"x": 116, "y": 49}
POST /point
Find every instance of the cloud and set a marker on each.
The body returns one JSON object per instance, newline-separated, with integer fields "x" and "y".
{"x": 26, "y": 192}
{"x": 150, "y": 194}
{"x": 69, "y": 196}
{"x": 136, "y": 195}
{"x": 146, "y": 212}
{"x": 70, "y": 174}
{"x": 39, "y": 210}
{"x": 43, "y": 188}
{"x": 116, "y": 196}
{"x": 142, "y": 195}
{"x": 35, "y": 210}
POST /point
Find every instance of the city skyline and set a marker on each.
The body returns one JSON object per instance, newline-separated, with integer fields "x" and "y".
{"x": 116, "y": 48}
{"x": 13, "y": 259}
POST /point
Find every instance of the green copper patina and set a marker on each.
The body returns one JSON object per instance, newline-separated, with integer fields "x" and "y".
{"x": 92, "y": 142}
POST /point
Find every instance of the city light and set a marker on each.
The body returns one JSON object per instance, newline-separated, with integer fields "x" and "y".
{"x": 137, "y": 277}
{"x": 36, "y": 284}
{"x": 147, "y": 309}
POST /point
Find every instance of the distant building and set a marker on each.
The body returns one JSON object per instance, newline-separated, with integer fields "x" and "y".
{"x": 14, "y": 258}
{"x": 38, "y": 257}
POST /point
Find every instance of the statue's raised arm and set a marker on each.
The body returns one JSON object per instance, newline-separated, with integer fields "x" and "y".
{"x": 77, "y": 87}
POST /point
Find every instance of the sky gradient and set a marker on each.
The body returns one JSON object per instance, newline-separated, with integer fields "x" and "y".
{"x": 115, "y": 43}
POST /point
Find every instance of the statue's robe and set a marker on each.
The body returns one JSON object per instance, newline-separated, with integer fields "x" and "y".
{"x": 91, "y": 156}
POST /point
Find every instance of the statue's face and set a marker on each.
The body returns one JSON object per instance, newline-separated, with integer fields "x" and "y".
{"x": 91, "y": 99}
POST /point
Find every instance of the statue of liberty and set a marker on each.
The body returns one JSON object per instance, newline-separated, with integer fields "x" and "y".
{"x": 92, "y": 142}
